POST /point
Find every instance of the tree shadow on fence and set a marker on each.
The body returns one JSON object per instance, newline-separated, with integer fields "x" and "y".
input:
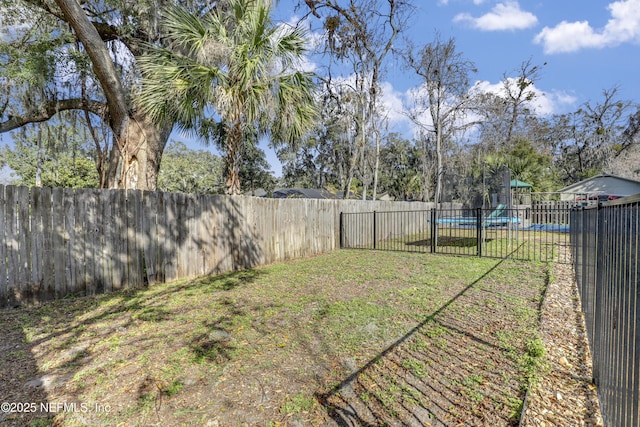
{"x": 57, "y": 243}
{"x": 455, "y": 367}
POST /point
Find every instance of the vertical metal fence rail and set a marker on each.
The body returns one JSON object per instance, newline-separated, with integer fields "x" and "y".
{"x": 470, "y": 232}
{"x": 433, "y": 227}
{"x": 605, "y": 246}
{"x": 479, "y": 237}
{"x": 341, "y": 225}
{"x": 391, "y": 231}
{"x": 374, "y": 230}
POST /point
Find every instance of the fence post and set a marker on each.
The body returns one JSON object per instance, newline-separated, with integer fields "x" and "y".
{"x": 597, "y": 295}
{"x": 374, "y": 230}
{"x": 341, "y": 225}
{"x": 479, "y": 231}
{"x": 434, "y": 230}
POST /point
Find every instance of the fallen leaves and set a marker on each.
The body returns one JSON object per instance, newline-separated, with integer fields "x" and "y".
{"x": 565, "y": 395}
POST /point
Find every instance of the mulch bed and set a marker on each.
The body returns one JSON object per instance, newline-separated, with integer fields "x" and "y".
{"x": 565, "y": 396}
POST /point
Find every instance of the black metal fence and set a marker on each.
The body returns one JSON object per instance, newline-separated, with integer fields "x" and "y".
{"x": 605, "y": 249}
{"x": 499, "y": 233}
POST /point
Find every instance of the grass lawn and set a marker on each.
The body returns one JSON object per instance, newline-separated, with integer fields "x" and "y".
{"x": 361, "y": 337}
{"x": 496, "y": 242}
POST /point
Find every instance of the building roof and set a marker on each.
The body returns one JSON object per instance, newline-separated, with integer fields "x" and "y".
{"x": 520, "y": 184}
{"x": 302, "y": 193}
{"x": 604, "y": 184}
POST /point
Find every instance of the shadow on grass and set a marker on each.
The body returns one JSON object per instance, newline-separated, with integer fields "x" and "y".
{"x": 459, "y": 365}
{"x": 20, "y": 383}
{"x": 48, "y": 352}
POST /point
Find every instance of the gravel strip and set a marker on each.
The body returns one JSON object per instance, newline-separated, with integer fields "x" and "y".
{"x": 565, "y": 396}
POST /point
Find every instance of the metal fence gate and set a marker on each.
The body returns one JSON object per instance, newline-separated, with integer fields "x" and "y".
{"x": 498, "y": 233}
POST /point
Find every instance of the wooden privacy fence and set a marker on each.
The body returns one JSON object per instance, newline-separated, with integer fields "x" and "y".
{"x": 551, "y": 212}
{"x": 57, "y": 242}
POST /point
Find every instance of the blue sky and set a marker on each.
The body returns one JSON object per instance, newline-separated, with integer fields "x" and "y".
{"x": 588, "y": 46}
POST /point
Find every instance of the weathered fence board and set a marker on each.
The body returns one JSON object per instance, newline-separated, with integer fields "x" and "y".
{"x": 551, "y": 212}
{"x": 79, "y": 245}
{"x": 107, "y": 219}
{"x": 68, "y": 199}
{"x": 3, "y": 249}
{"x": 91, "y": 249}
{"x": 171, "y": 237}
{"x": 58, "y": 240}
{"x": 11, "y": 242}
{"x": 48, "y": 268}
{"x": 24, "y": 243}
{"x": 149, "y": 233}
{"x": 37, "y": 241}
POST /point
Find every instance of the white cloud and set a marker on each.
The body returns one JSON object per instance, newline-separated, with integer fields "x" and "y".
{"x": 543, "y": 103}
{"x": 504, "y": 16}
{"x": 396, "y": 104}
{"x": 393, "y": 107}
{"x": 622, "y": 27}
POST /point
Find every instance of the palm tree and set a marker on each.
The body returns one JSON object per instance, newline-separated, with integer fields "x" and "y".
{"x": 234, "y": 67}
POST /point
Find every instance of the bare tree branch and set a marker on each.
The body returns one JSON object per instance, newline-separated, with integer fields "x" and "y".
{"x": 102, "y": 63}
{"x": 50, "y": 109}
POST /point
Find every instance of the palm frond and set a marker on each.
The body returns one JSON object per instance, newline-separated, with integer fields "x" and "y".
{"x": 234, "y": 64}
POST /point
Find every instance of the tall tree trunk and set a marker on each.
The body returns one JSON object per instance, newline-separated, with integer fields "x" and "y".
{"x": 352, "y": 167}
{"x": 138, "y": 143}
{"x": 424, "y": 175}
{"x": 363, "y": 165}
{"x": 376, "y": 166}
{"x": 347, "y": 184}
{"x": 39, "y": 158}
{"x": 439, "y": 168}
{"x": 234, "y": 158}
{"x": 134, "y": 160}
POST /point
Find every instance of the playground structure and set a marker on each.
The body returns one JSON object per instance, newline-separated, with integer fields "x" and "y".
{"x": 517, "y": 208}
{"x": 515, "y": 226}
{"x": 512, "y": 209}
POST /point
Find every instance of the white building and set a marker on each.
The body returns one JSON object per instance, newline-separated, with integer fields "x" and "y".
{"x": 600, "y": 187}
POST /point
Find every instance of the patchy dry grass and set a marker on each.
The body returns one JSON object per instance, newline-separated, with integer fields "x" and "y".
{"x": 367, "y": 337}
